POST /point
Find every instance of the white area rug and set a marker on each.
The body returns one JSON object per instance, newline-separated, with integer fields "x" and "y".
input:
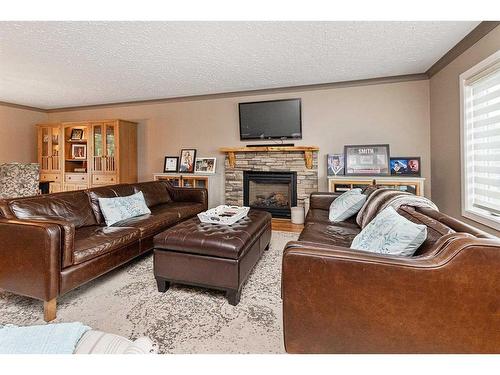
{"x": 182, "y": 320}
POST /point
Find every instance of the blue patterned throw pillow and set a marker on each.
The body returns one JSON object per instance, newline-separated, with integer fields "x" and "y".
{"x": 346, "y": 205}
{"x": 121, "y": 208}
{"x": 390, "y": 233}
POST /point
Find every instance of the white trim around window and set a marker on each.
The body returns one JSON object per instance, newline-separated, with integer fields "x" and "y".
{"x": 480, "y": 141}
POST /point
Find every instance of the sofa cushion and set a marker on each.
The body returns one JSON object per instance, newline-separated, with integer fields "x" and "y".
{"x": 91, "y": 242}
{"x": 151, "y": 224}
{"x": 435, "y": 229}
{"x": 347, "y": 205}
{"x": 122, "y": 208}
{"x": 390, "y": 233}
{"x": 71, "y": 206}
{"x": 315, "y": 215}
{"x": 123, "y": 190}
{"x": 337, "y": 234}
{"x": 94, "y": 195}
{"x": 155, "y": 192}
{"x": 112, "y": 191}
{"x": 183, "y": 210}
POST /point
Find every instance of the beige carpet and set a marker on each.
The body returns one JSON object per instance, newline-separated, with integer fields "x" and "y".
{"x": 182, "y": 320}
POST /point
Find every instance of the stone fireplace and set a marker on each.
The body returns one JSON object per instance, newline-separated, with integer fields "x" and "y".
{"x": 275, "y": 192}
{"x": 280, "y": 161}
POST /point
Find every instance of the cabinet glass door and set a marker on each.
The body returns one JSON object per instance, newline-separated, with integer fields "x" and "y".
{"x": 49, "y": 149}
{"x": 110, "y": 148}
{"x": 54, "y": 149}
{"x": 45, "y": 147}
{"x": 98, "y": 145}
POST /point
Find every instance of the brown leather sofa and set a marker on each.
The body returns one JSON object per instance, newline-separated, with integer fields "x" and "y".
{"x": 51, "y": 244}
{"x": 444, "y": 299}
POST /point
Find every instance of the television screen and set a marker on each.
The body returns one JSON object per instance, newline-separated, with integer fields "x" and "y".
{"x": 276, "y": 119}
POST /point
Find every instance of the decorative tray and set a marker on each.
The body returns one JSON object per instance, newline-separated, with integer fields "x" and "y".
{"x": 225, "y": 215}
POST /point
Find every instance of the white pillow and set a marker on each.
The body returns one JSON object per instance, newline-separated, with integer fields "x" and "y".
{"x": 121, "y": 208}
{"x": 346, "y": 205}
{"x": 390, "y": 233}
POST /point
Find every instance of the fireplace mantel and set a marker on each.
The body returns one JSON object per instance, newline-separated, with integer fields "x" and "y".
{"x": 307, "y": 150}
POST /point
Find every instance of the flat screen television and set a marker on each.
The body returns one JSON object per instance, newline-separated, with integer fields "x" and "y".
{"x": 275, "y": 119}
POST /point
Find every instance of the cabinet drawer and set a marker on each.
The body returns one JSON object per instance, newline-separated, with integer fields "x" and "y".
{"x": 76, "y": 178}
{"x": 72, "y": 187}
{"x": 55, "y": 187}
{"x": 102, "y": 179}
{"x": 50, "y": 177}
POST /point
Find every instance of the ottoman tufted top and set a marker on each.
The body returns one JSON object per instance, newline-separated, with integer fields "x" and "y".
{"x": 224, "y": 241}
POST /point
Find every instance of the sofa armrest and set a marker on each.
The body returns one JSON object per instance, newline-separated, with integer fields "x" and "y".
{"x": 337, "y": 300}
{"x": 30, "y": 258}
{"x": 184, "y": 194}
{"x": 322, "y": 201}
{"x": 67, "y": 238}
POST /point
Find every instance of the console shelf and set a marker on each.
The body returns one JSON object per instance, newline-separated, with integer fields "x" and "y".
{"x": 339, "y": 184}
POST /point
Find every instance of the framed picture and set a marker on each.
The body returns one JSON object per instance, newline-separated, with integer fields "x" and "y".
{"x": 79, "y": 152}
{"x": 405, "y": 166}
{"x": 367, "y": 160}
{"x": 186, "y": 163}
{"x": 335, "y": 164}
{"x": 171, "y": 164}
{"x": 76, "y": 134}
{"x": 205, "y": 165}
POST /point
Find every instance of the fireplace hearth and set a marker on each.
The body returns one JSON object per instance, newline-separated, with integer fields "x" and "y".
{"x": 275, "y": 192}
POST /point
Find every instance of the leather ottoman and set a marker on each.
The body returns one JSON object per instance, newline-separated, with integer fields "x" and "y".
{"x": 211, "y": 255}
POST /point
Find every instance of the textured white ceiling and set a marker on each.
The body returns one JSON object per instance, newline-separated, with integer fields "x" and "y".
{"x": 61, "y": 64}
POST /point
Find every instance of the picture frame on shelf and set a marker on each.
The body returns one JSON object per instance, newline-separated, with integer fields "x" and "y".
{"x": 76, "y": 134}
{"x": 406, "y": 166}
{"x": 171, "y": 164}
{"x": 205, "y": 165}
{"x": 367, "y": 160}
{"x": 79, "y": 152}
{"x": 335, "y": 164}
{"x": 187, "y": 160}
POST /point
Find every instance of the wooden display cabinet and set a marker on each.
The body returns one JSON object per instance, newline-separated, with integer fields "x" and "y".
{"x": 103, "y": 153}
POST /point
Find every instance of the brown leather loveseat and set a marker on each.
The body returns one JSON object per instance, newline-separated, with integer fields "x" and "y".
{"x": 51, "y": 244}
{"x": 444, "y": 299}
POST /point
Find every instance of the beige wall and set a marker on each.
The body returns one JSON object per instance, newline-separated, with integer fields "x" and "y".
{"x": 17, "y": 134}
{"x": 396, "y": 113}
{"x": 445, "y": 126}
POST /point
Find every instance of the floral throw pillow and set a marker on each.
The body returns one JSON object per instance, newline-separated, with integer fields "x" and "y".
{"x": 346, "y": 205}
{"x": 390, "y": 233}
{"x": 121, "y": 208}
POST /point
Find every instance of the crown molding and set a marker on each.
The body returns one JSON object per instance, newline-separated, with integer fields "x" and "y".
{"x": 468, "y": 41}
{"x": 25, "y": 107}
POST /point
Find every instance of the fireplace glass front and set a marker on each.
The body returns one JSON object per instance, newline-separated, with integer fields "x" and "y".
{"x": 275, "y": 192}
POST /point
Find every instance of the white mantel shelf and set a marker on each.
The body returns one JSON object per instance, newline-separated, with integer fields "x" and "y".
{"x": 307, "y": 150}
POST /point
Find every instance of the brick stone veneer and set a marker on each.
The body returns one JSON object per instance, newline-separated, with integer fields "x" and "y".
{"x": 288, "y": 161}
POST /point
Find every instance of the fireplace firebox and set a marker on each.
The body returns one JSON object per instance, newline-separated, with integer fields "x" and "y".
{"x": 275, "y": 192}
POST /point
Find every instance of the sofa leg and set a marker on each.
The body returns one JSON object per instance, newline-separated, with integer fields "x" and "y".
{"x": 49, "y": 310}
{"x": 163, "y": 285}
{"x": 233, "y": 296}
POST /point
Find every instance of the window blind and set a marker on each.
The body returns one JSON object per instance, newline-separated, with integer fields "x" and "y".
{"x": 483, "y": 142}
